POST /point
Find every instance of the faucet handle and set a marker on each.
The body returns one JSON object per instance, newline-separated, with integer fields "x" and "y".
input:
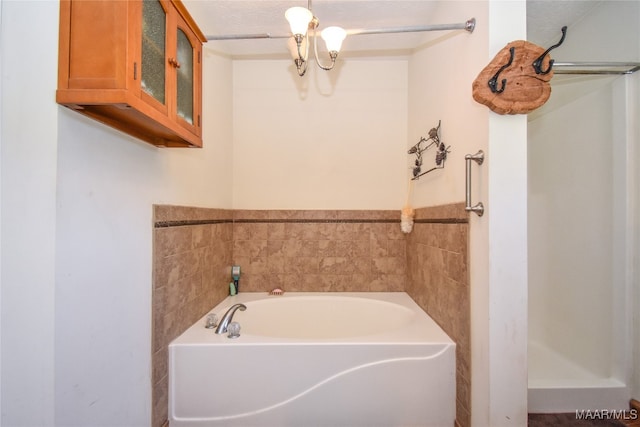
{"x": 233, "y": 329}
{"x": 212, "y": 321}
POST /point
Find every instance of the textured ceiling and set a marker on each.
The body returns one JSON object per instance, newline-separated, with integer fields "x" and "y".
{"x": 223, "y": 17}
{"x": 231, "y": 17}
{"x": 545, "y": 18}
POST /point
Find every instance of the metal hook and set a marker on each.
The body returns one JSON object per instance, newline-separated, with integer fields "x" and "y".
{"x": 537, "y": 64}
{"x": 493, "y": 82}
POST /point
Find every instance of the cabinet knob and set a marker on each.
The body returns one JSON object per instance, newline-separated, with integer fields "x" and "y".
{"x": 174, "y": 63}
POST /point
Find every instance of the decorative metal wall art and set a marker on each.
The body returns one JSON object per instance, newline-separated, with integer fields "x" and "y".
{"x": 423, "y": 145}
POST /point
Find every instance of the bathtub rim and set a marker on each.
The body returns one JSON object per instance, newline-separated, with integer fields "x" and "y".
{"x": 422, "y": 330}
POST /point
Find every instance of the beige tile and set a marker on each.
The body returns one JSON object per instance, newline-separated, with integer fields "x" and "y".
{"x": 172, "y": 240}
{"x": 327, "y": 248}
{"x": 360, "y": 248}
{"x": 320, "y": 215}
{"x": 160, "y": 362}
{"x": 158, "y": 339}
{"x": 367, "y": 215}
{"x": 463, "y": 416}
{"x": 326, "y": 231}
{"x": 277, "y": 264}
{"x": 394, "y": 232}
{"x": 275, "y": 231}
{"x": 397, "y": 248}
{"x": 291, "y": 248}
{"x": 250, "y": 231}
{"x": 343, "y": 248}
{"x": 285, "y": 214}
{"x": 257, "y": 282}
{"x": 455, "y": 210}
{"x": 182, "y": 291}
{"x": 201, "y": 235}
{"x": 336, "y": 265}
{"x": 257, "y": 265}
{"x": 455, "y": 266}
{"x": 304, "y": 231}
{"x": 361, "y": 265}
{"x": 160, "y": 398}
{"x": 360, "y": 231}
{"x": 388, "y": 265}
{"x": 250, "y": 214}
{"x": 309, "y": 248}
{"x": 357, "y": 282}
{"x": 250, "y": 248}
{"x": 379, "y": 245}
{"x": 303, "y": 265}
{"x": 160, "y": 213}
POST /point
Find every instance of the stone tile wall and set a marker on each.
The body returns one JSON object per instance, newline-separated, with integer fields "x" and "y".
{"x": 438, "y": 280}
{"x": 192, "y": 250}
{"x": 319, "y": 250}
{"x": 308, "y": 250}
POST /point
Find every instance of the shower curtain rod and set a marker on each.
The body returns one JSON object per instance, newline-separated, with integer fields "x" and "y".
{"x": 588, "y": 68}
{"x": 469, "y": 26}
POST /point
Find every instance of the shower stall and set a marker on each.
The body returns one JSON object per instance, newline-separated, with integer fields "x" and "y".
{"x": 582, "y": 158}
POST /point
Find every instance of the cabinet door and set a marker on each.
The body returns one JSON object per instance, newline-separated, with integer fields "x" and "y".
{"x": 153, "y": 69}
{"x": 93, "y": 45}
{"x": 188, "y": 78}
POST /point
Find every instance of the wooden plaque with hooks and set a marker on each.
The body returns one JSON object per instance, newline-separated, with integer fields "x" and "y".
{"x": 510, "y": 83}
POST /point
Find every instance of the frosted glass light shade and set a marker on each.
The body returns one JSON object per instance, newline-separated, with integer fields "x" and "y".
{"x": 333, "y": 37}
{"x": 299, "y": 18}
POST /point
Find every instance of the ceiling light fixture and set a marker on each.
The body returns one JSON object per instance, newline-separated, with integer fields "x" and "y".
{"x": 302, "y": 22}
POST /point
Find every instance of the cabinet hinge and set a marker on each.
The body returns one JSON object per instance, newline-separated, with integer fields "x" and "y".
{"x": 135, "y": 71}
{"x": 199, "y": 120}
{"x": 198, "y": 57}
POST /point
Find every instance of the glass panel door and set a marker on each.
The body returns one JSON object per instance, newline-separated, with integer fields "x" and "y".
{"x": 153, "y": 49}
{"x": 185, "y": 77}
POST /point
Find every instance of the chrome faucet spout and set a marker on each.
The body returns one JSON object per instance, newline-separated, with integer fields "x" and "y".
{"x": 228, "y": 317}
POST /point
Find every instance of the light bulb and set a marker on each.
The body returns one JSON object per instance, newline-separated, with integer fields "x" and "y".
{"x": 299, "y": 18}
{"x": 333, "y": 37}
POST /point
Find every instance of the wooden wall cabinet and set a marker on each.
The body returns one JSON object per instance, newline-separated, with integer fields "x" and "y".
{"x": 135, "y": 65}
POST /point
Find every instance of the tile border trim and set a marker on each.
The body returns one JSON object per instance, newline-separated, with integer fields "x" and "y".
{"x": 167, "y": 216}
{"x": 441, "y": 221}
{"x": 181, "y": 223}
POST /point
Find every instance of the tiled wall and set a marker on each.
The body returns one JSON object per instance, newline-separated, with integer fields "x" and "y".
{"x": 438, "y": 280}
{"x": 319, "y": 250}
{"x": 309, "y": 250}
{"x": 191, "y": 259}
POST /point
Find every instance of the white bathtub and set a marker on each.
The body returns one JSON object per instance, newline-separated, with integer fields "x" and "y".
{"x": 315, "y": 359}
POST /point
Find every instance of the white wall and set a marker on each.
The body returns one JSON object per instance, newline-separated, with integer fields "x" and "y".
{"x": 440, "y": 85}
{"x": 28, "y": 180}
{"x": 330, "y": 140}
{"x": 583, "y": 157}
{"x": 506, "y": 228}
{"x": 571, "y": 225}
{"x": 440, "y": 76}
{"x": 77, "y": 235}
